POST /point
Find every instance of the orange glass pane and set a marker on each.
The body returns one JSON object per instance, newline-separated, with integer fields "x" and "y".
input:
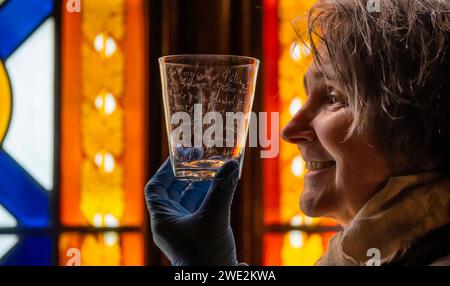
{"x": 271, "y": 104}
{"x": 272, "y": 244}
{"x": 103, "y": 107}
{"x": 294, "y": 248}
{"x": 101, "y": 249}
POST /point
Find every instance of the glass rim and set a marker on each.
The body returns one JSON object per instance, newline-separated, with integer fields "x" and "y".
{"x": 163, "y": 59}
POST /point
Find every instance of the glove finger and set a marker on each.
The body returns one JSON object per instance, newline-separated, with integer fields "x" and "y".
{"x": 164, "y": 209}
{"x": 220, "y": 194}
{"x": 177, "y": 209}
{"x": 158, "y": 185}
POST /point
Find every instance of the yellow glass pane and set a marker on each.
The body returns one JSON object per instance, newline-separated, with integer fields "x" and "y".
{"x": 5, "y": 101}
{"x": 293, "y": 62}
{"x": 294, "y": 248}
{"x": 301, "y": 249}
{"x": 101, "y": 249}
{"x": 103, "y": 114}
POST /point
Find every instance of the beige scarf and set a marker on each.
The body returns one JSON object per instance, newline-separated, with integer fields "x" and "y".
{"x": 407, "y": 208}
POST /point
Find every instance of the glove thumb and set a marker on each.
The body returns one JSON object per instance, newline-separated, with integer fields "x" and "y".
{"x": 220, "y": 195}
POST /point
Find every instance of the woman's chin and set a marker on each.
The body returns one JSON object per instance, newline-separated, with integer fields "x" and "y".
{"x": 313, "y": 203}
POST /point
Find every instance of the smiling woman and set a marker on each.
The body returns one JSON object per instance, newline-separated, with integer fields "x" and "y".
{"x": 5, "y": 102}
{"x": 375, "y": 129}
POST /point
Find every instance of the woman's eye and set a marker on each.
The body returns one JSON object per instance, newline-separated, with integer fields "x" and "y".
{"x": 335, "y": 100}
{"x": 332, "y": 98}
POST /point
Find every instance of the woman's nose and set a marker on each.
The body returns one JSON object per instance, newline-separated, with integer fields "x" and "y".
{"x": 299, "y": 129}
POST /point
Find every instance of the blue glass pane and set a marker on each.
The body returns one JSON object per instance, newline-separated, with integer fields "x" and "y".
{"x": 18, "y": 19}
{"x": 21, "y": 195}
{"x": 30, "y": 251}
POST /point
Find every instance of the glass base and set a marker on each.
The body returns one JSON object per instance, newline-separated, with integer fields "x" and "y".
{"x": 194, "y": 175}
{"x": 198, "y": 170}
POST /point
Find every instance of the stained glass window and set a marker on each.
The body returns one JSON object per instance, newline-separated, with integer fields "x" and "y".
{"x": 26, "y": 130}
{"x": 72, "y": 132}
{"x": 103, "y": 248}
{"x": 103, "y": 108}
{"x": 292, "y": 238}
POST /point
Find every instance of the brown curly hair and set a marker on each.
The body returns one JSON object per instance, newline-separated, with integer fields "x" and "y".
{"x": 394, "y": 67}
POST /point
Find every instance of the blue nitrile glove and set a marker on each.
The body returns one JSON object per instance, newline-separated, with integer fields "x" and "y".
{"x": 190, "y": 221}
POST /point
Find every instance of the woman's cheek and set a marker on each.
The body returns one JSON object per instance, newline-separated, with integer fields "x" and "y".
{"x": 331, "y": 128}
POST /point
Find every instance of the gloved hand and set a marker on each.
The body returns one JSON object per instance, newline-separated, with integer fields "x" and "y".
{"x": 190, "y": 221}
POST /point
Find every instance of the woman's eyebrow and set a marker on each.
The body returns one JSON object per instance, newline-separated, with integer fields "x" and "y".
{"x": 315, "y": 75}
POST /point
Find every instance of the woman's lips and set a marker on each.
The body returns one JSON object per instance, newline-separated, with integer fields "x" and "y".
{"x": 319, "y": 165}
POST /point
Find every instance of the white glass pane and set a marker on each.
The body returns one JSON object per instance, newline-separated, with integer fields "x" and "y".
{"x": 30, "y": 137}
{"x": 7, "y": 241}
{"x": 6, "y": 219}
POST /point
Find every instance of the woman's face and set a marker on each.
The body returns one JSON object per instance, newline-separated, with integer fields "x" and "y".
{"x": 342, "y": 174}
